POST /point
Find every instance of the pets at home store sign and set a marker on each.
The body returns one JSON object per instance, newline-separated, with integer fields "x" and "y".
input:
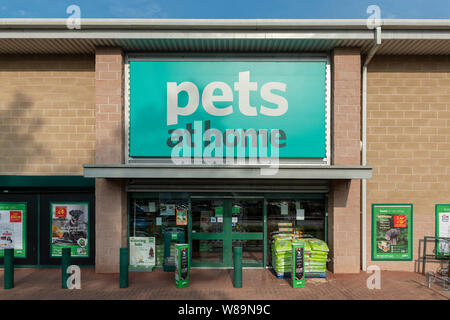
{"x": 217, "y": 109}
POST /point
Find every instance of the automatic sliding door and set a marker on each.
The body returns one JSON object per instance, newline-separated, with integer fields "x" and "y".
{"x": 219, "y": 225}
{"x": 248, "y": 230}
{"x": 209, "y": 246}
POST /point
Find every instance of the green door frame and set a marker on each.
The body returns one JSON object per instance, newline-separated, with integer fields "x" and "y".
{"x": 227, "y": 236}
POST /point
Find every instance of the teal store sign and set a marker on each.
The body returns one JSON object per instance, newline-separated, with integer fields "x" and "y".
{"x": 282, "y": 102}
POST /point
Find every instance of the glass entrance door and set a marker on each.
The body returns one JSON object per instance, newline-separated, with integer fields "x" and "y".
{"x": 219, "y": 224}
{"x": 210, "y": 229}
{"x": 248, "y": 230}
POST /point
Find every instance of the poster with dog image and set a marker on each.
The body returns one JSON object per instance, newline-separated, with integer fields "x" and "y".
{"x": 70, "y": 228}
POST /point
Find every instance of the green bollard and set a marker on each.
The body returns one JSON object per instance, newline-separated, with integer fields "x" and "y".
{"x": 237, "y": 277}
{"x": 124, "y": 261}
{"x": 65, "y": 262}
{"x": 9, "y": 269}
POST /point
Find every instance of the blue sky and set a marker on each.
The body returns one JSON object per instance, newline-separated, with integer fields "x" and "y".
{"x": 227, "y": 9}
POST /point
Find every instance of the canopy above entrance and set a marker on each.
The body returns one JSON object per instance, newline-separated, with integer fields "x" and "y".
{"x": 169, "y": 171}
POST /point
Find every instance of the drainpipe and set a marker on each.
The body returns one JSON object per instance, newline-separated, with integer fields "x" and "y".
{"x": 369, "y": 57}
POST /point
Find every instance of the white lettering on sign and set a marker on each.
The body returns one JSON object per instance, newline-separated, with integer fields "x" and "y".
{"x": 173, "y": 110}
{"x": 208, "y": 98}
{"x": 244, "y": 86}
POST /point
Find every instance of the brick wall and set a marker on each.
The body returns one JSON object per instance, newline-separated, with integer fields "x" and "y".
{"x": 346, "y": 109}
{"x": 109, "y": 106}
{"x": 408, "y": 141}
{"x": 47, "y": 120}
{"x": 344, "y": 199}
{"x": 110, "y": 195}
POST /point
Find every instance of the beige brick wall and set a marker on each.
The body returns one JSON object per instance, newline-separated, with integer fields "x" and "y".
{"x": 110, "y": 195}
{"x": 408, "y": 141}
{"x": 47, "y": 114}
{"x": 344, "y": 199}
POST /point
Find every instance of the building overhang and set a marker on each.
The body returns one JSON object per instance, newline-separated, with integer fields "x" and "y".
{"x": 52, "y": 36}
{"x": 170, "y": 171}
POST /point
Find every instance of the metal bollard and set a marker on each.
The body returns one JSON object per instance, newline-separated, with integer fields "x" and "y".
{"x": 9, "y": 269}
{"x": 65, "y": 262}
{"x": 237, "y": 260}
{"x": 124, "y": 261}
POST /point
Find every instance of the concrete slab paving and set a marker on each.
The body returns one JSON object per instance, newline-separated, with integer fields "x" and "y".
{"x": 217, "y": 284}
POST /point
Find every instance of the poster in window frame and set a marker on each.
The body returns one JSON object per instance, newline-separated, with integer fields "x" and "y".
{"x": 392, "y": 226}
{"x": 443, "y": 230}
{"x": 61, "y": 224}
{"x": 13, "y": 218}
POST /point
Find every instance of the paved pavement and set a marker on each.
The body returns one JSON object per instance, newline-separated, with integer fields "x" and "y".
{"x": 217, "y": 284}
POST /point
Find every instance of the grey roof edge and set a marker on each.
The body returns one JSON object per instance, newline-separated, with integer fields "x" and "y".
{"x": 284, "y": 171}
{"x": 243, "y": 24}
{"x": 194, "y": 166}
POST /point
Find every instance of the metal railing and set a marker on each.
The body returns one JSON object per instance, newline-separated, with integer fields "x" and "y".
{"x": 433, "y": 255}
{"x": 444, "y": 273}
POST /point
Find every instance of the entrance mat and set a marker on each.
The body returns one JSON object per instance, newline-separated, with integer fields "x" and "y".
{"x": 283, "y": 275}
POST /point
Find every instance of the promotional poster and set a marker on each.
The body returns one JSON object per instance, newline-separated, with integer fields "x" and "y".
{"x": 182, "y": 265}
{"x": 443, "y": 229}
{"x": 142, "y": 252}
{"x": 298, "y": 266}
{"x": 70, "y": 228}
{"x": 392, "y": 232}
{"x": 167, "y": 209}
{"x": 182, "y": 217}
{"x": 13, "y": 228}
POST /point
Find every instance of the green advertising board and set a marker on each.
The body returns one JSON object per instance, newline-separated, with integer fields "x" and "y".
{"x": 69, "y": 228}
{"x": 13, "y": 228}
{"x": 443, "y": 230}
{"x": 392, "y": 226}
{"x": 182, "y": 265}
{"x": 298, "y": 265}
{"x": 280, "y": 100}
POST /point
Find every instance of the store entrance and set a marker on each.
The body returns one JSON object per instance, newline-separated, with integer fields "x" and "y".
{"x": 220, "y": 224}
{"x": 212, "y": 224}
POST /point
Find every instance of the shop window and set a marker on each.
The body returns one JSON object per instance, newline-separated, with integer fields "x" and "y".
{"x": 307, "y": 217}
{"x": 149, "y": 217}
{"x": 248, "y": 216}
{"x": 207, "y": 216}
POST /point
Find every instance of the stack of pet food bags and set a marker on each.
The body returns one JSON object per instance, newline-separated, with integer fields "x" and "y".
{"x": 159, "y": 254}
{"x": 316, "y": 254}
{"x": 282, "y": 254}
